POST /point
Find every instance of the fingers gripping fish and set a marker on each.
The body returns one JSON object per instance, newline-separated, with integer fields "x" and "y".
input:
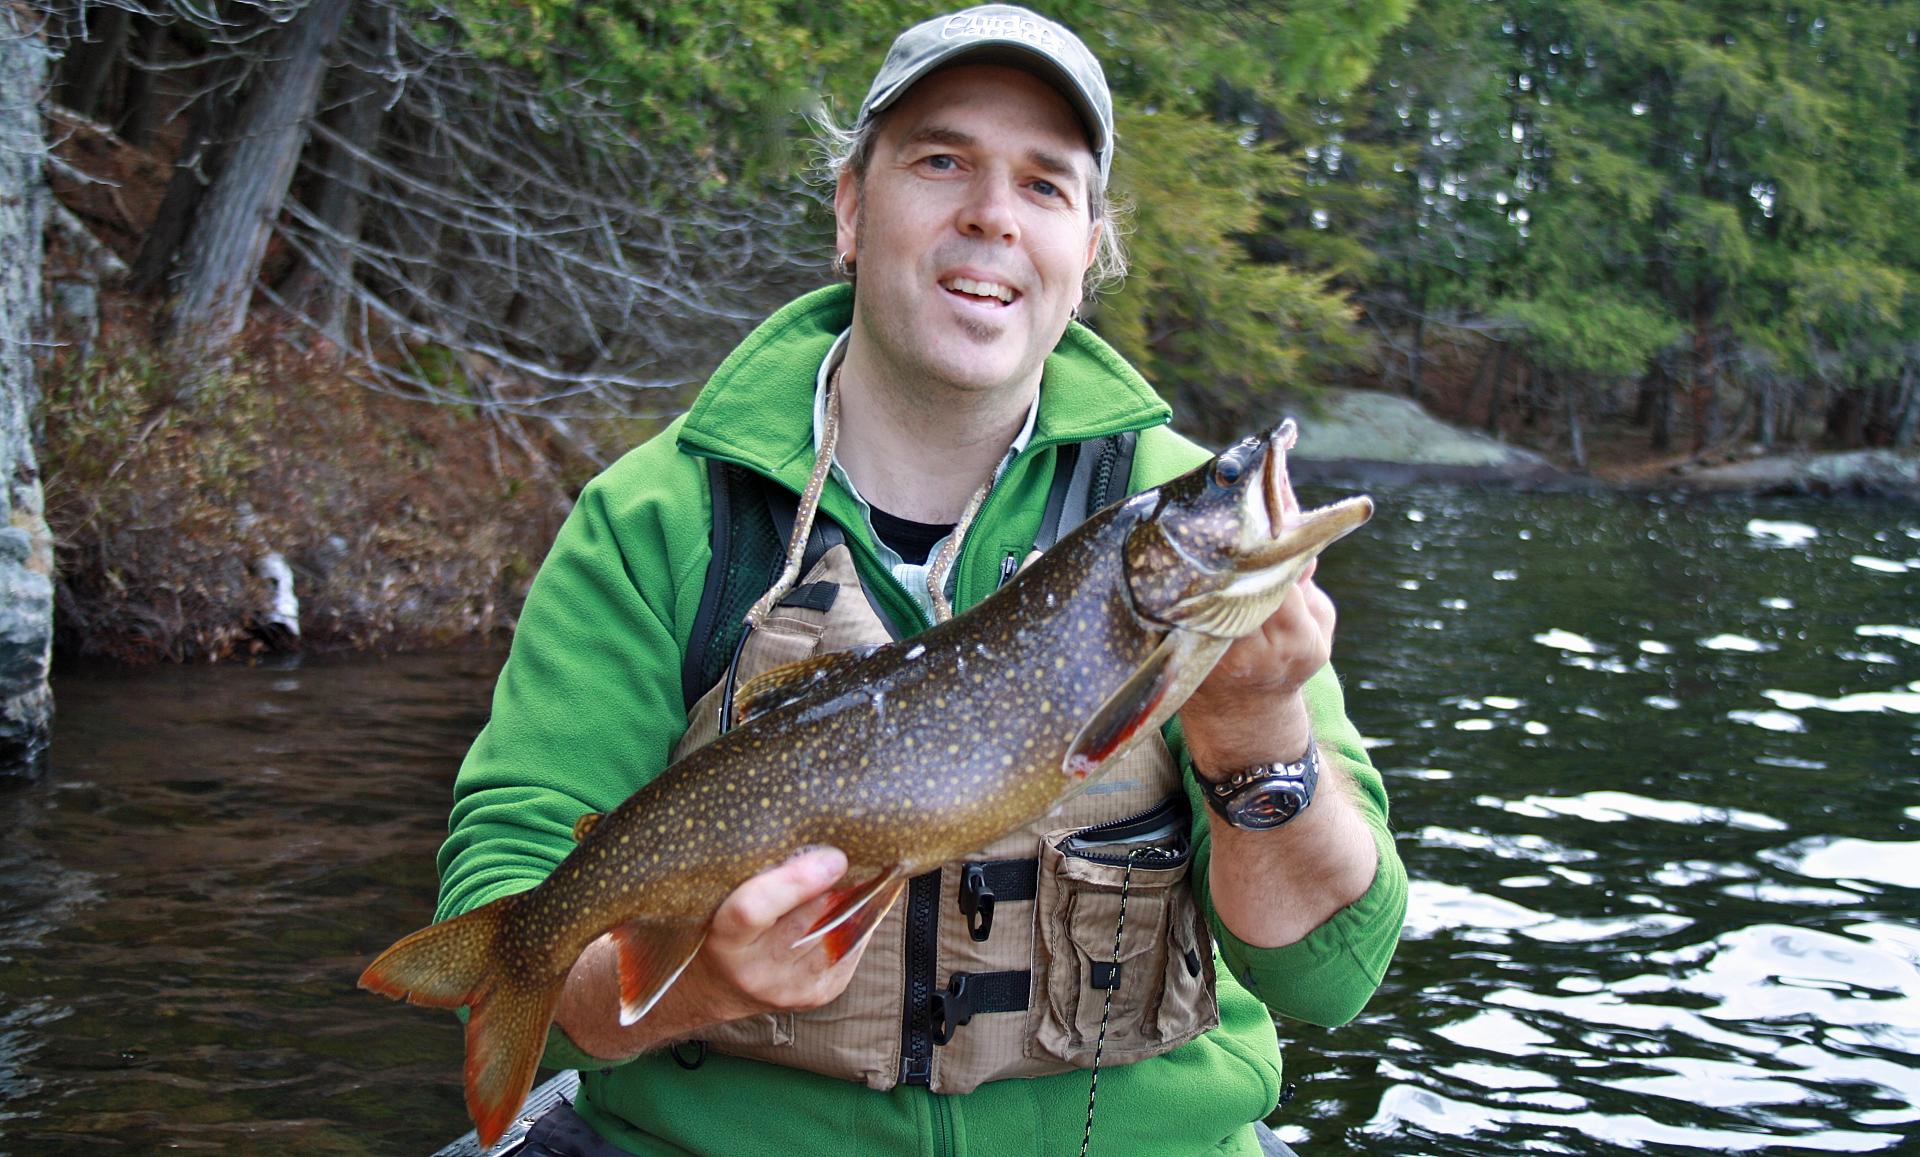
{"x": 904, "y": 757}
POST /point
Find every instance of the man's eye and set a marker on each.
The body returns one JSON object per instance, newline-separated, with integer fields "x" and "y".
{"x": 941, "y": 162}
{"x": 1046, "y": 188}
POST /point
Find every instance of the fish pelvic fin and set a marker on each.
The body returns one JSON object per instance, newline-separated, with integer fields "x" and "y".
{"x": 853, "y": 913}
{"x": 453, "y": 963}
{"x": 1126, "y": 711}
{"x": 584, "y": 825}
{"x": 651, "y": 955}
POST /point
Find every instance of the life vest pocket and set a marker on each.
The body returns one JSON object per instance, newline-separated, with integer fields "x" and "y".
{"x": 761, "y": 1030}
{"x": 1162, "y": 975}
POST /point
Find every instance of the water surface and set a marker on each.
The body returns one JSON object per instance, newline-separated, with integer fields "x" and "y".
{"x": 1655, "y": 767}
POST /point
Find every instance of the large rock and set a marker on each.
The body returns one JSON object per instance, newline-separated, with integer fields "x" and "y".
{"x": 1369, "y": 436}
{"x": 1873, "y": 473}
{"x": 26, "y": 557}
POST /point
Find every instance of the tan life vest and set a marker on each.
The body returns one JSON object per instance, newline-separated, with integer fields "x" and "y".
{"x": 996, "y": 965}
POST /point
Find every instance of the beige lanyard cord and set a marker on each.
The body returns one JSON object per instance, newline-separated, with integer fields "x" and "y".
{"x": 803, "y": 516}
{"x": 810, "y": 506}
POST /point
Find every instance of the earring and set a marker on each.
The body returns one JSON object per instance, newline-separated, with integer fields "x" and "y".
{"x": 842, "y": 267}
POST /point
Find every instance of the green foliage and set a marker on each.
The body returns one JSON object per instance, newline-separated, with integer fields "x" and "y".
{"x": 1224, "y": 337}
{"x": 1603, "y": 332}
{"x": 1602, "y": 178}
{"x": 106, "y": 417}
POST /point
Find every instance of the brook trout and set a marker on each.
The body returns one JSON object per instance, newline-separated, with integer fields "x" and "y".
{"x": 904, "y": 758}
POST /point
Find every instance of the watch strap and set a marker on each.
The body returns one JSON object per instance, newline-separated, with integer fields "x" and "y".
{"x": 1267, "y": 795}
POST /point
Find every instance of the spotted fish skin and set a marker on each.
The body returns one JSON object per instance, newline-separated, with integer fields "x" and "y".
{"x": 906, "y": 758}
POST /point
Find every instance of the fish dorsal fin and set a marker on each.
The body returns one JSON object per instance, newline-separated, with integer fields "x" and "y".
{"x": 651, "y": 955}
{"x": 1120, "y": 718}
{"x": 583, "y": 825}
{"x": 782, "y": 685}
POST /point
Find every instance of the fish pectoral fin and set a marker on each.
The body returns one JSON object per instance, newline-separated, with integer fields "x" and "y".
{"x": 783, "y": 684}
{"x": 651, "y": 955}
{"x": 583, "y": 825}
{"x": 853, "y": 913}
{"x": 1125, "y": 711}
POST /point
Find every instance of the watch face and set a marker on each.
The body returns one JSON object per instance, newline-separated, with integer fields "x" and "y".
{"x": 1268, "y": 805}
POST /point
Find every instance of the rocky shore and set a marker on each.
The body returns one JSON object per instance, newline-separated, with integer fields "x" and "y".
{"x": 1360, "y": 437}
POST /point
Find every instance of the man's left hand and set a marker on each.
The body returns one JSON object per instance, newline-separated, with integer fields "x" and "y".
{"x": 1249, "y": 710}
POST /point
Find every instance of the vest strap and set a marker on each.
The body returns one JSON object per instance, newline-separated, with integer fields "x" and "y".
{"x": 984, "y": 883}
{"x": 968, "y": 993}
{"x": 812, "y": 597}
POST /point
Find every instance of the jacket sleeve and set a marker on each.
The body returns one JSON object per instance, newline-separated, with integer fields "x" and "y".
{"x": 588, "y": 705}
{"x": 1327, "y": 977}
{"x": 586, "y": 708}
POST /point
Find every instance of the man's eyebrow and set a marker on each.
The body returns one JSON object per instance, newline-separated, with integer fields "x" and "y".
{"x": 938, "y": 135}
{"x": 1053, "y": 164}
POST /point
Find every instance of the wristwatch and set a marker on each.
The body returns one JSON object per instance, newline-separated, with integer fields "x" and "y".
{"x": 1269, "y": 795}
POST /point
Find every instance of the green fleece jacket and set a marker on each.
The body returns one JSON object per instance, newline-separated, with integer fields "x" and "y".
{"x": 589, "y": 705}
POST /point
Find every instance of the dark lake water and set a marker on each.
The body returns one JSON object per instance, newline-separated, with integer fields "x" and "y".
{"x": 1655, "y": 767}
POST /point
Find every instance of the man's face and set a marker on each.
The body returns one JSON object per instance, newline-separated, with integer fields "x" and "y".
{"x": 970, "y": 230}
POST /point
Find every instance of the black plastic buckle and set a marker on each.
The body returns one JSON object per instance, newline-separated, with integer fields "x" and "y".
{"x": 976, "y": 902}
{"x": 949, "y": 1008}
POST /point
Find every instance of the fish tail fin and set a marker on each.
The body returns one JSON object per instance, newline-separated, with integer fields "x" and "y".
{"x": 506, "y": 1033}
{"x": 451, "y": 964}
{"x": 443, "y": 965}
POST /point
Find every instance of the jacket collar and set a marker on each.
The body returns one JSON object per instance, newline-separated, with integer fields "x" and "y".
{"x": 757, "y": 407}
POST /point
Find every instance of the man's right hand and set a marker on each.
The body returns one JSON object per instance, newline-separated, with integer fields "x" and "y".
{"x": 748, "y": 965}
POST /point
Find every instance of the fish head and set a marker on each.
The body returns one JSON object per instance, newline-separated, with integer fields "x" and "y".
{"x": 1217, "y": 550}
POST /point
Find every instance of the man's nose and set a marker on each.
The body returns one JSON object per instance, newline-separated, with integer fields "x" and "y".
{"x": 989, "y": 209}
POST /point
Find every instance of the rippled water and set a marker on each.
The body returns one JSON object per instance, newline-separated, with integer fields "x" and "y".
{"x": 1655, "y": 768}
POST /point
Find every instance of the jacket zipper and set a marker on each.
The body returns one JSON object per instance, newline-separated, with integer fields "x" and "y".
{"x": 942, "y": 1108}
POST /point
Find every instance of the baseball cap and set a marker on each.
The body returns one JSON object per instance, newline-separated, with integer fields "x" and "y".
{"x": 1000, "y": 34}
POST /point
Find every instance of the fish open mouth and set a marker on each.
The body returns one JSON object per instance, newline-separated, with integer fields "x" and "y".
{"x": 1279, "y": 545}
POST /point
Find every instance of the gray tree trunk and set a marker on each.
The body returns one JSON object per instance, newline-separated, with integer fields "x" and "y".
{"x": 26, "y": 548}
{"x": 228, "y": 239}
{"x": 1576, "y": 441}
{"x": 319, "y": 287}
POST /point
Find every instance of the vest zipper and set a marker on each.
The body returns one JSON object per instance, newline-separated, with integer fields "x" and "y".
{"x": 923, "y": 951}
{"x": 923, "y": 903}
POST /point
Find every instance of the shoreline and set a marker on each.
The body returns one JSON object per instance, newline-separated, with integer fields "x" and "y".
{"x": 1364, "y": 438}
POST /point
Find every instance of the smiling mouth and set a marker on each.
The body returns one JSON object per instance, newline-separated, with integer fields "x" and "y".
{"x": 980, "y": 292}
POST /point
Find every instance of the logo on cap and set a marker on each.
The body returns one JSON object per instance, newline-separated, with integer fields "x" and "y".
{"x": 1002, "y": 27}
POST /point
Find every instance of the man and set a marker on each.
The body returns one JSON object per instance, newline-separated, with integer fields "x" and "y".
{"x": 948, "y": 379}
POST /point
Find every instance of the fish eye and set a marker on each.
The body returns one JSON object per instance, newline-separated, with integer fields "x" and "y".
{"x": 1226, "y": 472}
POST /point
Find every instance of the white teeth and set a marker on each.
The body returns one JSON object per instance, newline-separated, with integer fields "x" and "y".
{"x": 981, "y": 288}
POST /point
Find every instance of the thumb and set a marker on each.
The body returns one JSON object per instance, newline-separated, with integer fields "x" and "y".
{"x": 758, "y": 904}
